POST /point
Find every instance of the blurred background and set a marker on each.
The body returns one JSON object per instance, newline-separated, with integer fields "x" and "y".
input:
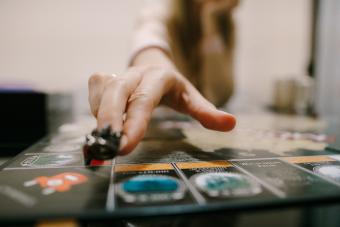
{"x": 54, "y": 46}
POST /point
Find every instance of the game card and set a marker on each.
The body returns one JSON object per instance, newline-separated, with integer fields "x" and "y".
{"x": 57, "y": 191}
{"x": 286, "y": 180}
{"x": 149, "y": 185}
{"x": 46, "y": 160}
{"x": 324, "y": 166}
{"x": 219, "y": 181}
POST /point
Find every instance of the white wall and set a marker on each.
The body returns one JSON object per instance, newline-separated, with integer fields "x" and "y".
{"x": 57, "y": 44}
{"x": 328, "y": 59}
{"x": 273, "y": 41}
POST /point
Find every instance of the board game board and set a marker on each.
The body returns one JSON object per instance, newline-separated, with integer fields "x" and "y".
{"x": 178, "y": 168}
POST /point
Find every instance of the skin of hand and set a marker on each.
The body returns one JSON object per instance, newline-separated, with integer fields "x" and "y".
{"x": 126, "y": 102}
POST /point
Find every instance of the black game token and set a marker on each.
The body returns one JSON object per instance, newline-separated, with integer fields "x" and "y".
{"x": 101, "y": 145}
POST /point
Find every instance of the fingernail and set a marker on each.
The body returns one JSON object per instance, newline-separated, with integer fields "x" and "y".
{"x": 123, "y": 142}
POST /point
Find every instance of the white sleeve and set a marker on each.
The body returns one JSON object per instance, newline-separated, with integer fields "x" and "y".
{"x": 151, "y": 30}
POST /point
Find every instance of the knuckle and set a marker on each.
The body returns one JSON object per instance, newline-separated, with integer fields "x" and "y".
{"x": 116, "y": 83}
{"x": 170, "y": 76}
{"x": 95, "y": 78}
{"x": 141, "y": 97}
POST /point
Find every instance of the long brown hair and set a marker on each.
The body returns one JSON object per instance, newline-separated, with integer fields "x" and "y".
{"x": 184, "y": 27}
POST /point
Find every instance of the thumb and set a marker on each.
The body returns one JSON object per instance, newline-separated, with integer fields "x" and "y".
{"x": 206, "y": 113}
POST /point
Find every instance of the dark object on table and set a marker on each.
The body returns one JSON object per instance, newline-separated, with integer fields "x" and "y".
{"x": 27, "y": 115}
{"x": 22, "y": 119}
{"x": 101, "y": 145}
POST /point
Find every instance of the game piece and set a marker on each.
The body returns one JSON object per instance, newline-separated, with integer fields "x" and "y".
{"x": 101, "y": 145}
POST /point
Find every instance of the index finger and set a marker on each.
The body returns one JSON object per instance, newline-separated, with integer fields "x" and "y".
{"x": 141, "y": 104}
{"x": 114, "y": 100}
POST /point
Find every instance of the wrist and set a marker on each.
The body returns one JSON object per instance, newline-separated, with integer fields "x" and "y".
{"x": 152, "y": 56}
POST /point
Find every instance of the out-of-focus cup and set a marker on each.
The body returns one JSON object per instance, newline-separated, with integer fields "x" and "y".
{"x": 293, "y": 95}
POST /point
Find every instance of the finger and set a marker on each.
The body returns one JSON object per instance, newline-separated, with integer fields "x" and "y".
{"x": 205, "y": 112}
{"x": 114, "y": 99}
{"x": 141, "y": 104}
{"x": 96, "y": 85}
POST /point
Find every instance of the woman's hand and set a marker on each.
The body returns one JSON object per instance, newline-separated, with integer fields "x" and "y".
{"x": 138, "y": 92}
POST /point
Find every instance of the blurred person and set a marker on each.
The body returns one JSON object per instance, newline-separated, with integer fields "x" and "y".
{"x": 182, "y": 56}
